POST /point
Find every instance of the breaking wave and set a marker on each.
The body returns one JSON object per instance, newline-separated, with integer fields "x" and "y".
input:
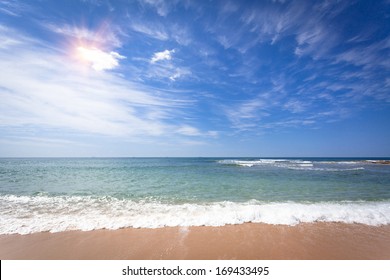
{"x": 29, "y": 214}
{"x": 295, "y": 164}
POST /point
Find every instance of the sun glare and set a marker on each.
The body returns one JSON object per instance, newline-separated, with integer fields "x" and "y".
{"x": 98, "y": 59}
{"x": 88, "y": 54}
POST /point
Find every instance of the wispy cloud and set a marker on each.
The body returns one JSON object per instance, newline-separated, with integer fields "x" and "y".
{"x": 181, "y": 34}
{"x": 13, "y": 8}
{"x": 370, "y": 56}
{"x": 183, "y": 70}
{"x": 155, "y": 31}
{"x": 272, "y": 22}
{"x": 229, "y": 7}
{"x": 193, "y": 131}
{"x": 104, "y": 34}
{"x": 295, "y": 106}
{"x": 162, "y": 7}
{"x": 8, "y": 42}
{"x": 166, "y": 71}
{"x": 327, "y": 78}
{"x": 40, "y": 141}
{"x": 179, "y": 73}
{"x": 246, "y": 115}
{"x": 315, "y": 40}
{"x": 163, "y": 32}
{"x": 162, "y": 67}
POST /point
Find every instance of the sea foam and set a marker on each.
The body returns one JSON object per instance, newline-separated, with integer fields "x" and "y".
{"x": 29, "y": 214}
{"x": 296, "y": 164}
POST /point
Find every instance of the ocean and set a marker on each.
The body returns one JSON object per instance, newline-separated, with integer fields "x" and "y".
{"x": 63, "y": 194}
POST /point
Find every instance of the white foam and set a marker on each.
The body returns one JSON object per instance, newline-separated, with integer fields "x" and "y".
{"x": 294, "y": 164}
{"x": 325, "y": 169}
{"x": 250, "y": 163}
{"x": 24, "y": 214}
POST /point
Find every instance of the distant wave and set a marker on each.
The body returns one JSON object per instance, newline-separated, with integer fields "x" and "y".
{"x": 28, "y": 214}
{"x": 296, "y": 164}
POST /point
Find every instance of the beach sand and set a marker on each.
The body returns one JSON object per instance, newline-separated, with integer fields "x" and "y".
{"x": 247, "y": 241}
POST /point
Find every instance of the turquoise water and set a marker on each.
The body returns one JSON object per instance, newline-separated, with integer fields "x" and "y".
{"x": 58, "y": 194}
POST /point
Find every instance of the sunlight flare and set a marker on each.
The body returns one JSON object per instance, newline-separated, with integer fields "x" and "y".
{"x": 98, "y": 59}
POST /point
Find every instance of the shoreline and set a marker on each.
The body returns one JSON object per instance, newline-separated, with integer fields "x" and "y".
{"x": 306, "y": 241}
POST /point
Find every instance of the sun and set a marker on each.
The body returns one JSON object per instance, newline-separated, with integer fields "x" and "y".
{"x": 98, "y": 59}
{"x": 88, "y": 54}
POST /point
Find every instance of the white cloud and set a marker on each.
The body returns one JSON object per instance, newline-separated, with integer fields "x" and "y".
{"x": 164, "y": 55}
{"x": 100, "y": 60}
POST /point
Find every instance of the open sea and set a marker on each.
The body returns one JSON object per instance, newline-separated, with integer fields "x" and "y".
{"x": 62, "y": 194}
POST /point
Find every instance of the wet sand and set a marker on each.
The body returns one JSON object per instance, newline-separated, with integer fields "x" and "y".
{"x": 248, "y": 241}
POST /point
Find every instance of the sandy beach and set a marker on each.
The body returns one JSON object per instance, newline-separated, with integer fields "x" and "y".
{"x": 247, "y": 241}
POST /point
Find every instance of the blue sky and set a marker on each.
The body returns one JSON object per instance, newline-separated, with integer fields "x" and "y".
{"x": 194, "y": 78}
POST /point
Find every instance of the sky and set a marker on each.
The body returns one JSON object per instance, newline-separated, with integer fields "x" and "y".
{"x": 123, "y": 78}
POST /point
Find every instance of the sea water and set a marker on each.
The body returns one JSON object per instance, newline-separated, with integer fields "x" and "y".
{"x": 61, "y": 194}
